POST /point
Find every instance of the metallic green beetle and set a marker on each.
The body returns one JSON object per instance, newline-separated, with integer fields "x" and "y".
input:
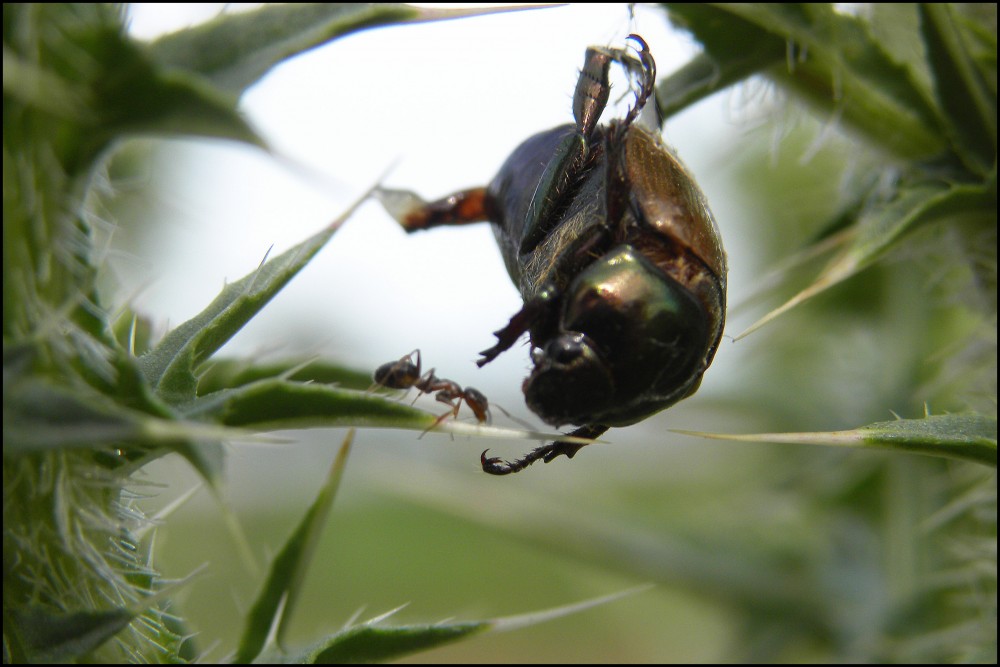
{"x": 616, "y": 255}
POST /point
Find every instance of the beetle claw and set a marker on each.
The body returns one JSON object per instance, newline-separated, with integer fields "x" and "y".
{"x": 495, "y": 465}
{"x": 547, "y": 453}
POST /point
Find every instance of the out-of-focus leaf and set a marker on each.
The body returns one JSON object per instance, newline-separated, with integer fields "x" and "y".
{"x": 882, "y": 227}
{"x": 284, "y": 581}
{"x": 42, "y": 89}
{"x": 43, "y": 636}
{"x": 828, "y": 57}
{"x": 80, "y": 104}
{"x": 895, "y": 26}
{"x": 964, "y": 437}
{"x": 720, "y": 565}
{"x": 170, "y": 366}
{"x": 970, "y": 107}
{"x": 39, "y": 415}
{"x": 236, "y": 50}
{"x": 743, "y": 51}
{"x": 168, "y": 103}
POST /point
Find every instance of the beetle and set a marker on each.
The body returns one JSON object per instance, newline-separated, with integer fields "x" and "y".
{"x": 405, "y": 374}
{"x": 616, "y": 254}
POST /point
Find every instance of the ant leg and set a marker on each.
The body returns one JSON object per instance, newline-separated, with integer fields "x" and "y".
{"x": 453, "y": 412}
{"x": 429, "y": 383}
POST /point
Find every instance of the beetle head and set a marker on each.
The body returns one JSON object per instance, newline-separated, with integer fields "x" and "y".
{"x": 570, "y": 379}
{"x": 631, "y": 341}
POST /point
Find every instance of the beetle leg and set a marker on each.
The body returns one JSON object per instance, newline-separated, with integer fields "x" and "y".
{"x": 413, "y": 213}
{"x": 644, "y": 68}
{"x": 555, "y": 184}
{"x": 590, "y": 431}
{"x": 547, "y": 453}
{"x": 592, "y": 89}
{"x": 533, "y": 311}
{"x": 508, "y": 335}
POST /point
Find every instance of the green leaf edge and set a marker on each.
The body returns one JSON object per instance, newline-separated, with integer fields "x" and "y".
{"x": 963, "y": 437}
{"x": 287, "y": 571}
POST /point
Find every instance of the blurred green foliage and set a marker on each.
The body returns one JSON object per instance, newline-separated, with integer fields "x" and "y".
{"x": 873, "y": 213}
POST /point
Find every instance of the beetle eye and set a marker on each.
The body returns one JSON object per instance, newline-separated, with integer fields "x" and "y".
{"x": 565, "y": 349}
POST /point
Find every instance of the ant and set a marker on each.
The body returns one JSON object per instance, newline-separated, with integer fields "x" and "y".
{"x": 405, "y": 373}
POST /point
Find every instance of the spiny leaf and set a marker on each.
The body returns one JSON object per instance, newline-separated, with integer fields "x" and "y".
{"x": 284, "y": 581}
{"x": 40, "y": 415}
{"x": 965, "y": 437}
{"x": 170, "y": 366}
{"x": 230, "y": 373}
{"x": 369, "y": 643}
{"x": 508, "y": 623}
{"x": 882, "y": 227}
{"x": 366, "y": 643}
{"x": 278, "y": 404}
